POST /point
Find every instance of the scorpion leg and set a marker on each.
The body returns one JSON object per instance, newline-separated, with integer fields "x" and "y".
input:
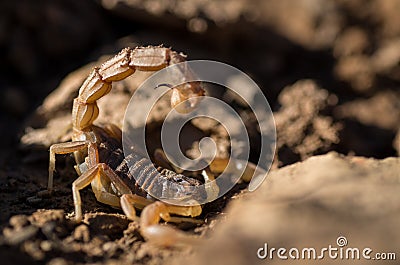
{"x": 107, "y": 198}
{"x": 131, "y": 201}
{"x": 84, "y": 180}
{"x": 67, "y": 148}
{"x": 219, "y": 165}
{"x": 100, "y": 170}
{"x": 165, "y": 235}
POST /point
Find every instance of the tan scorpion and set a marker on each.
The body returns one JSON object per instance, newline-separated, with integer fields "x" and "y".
{"x": 100, "y": 159}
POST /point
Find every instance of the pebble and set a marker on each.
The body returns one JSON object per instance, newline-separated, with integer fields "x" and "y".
{"x": 19, "y": 236}
{"x": 18, "y": 221}
{"x": 46, "y": 245}
{"x": 82, "y": 233}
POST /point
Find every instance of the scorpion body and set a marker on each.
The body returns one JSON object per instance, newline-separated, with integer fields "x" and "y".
{"x": 124, "y": 181}
{"x": 100, "y": 159}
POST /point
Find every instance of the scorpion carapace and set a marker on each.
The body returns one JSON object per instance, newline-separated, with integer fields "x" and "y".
{"x": 99, "y": 155}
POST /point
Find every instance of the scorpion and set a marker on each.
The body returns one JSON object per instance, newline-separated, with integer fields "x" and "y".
{"x": 100, "y": 159}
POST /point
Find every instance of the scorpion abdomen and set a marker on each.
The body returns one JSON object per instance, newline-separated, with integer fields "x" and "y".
{"x": 143, "y": 178}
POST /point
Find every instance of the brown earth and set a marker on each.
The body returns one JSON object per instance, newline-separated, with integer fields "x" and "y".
{"x": 329, "y": 69}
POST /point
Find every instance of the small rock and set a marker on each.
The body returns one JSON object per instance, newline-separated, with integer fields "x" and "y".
{"x": 82, "y": 233}
{"x": 110, "y": 247}
{"x": 18, "y": 221}
{"x": 14, "y": 237}
{"x": 46, "y": 245}
{"x": 33, "y": 249}
{"x": 95, "y": 248}
{"x": 40, "y": 217}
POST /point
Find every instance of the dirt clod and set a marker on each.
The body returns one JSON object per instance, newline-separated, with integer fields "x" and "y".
{"x": 81, "y": 233}
{"x": 111, "y": 225}
{"x": 301, "y": 127}
{"x": 42, "y": 217}
{"x": 18, "y": 221}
